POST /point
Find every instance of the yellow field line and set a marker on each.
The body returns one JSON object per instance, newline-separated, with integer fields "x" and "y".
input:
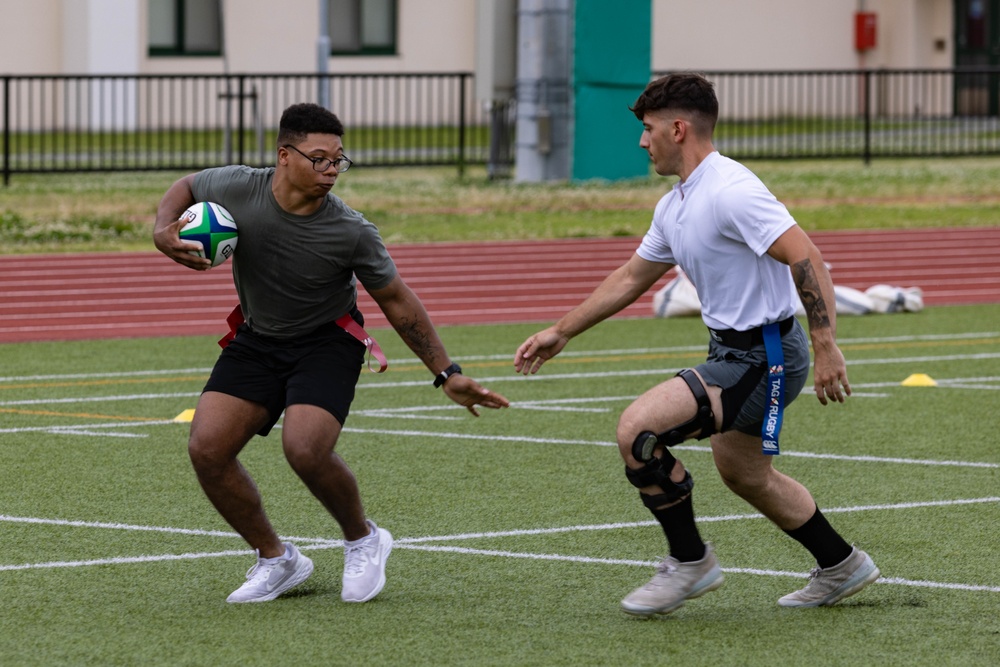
{"x": 101, "y": 383}
{"x": 83, "y": 415}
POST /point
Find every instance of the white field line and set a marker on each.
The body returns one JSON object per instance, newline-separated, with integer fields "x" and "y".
{"x": 121, "y": 560}
{"x": 898, "y": 581}
{"x": 71, "y": 428}
{"x": 705, "y": 519}
{"x": 381, "y": 383}
{"x": 665, "y": 372}
{"x": 419, "y": 543}
{"x": 82, "y": 428}
{"x": 140, "y": 528}
{"x": 565, "y": 354}
{"x": 691, "y": 448}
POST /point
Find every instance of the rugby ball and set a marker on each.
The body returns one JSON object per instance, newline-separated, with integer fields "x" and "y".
{"x": 213, "y": 227}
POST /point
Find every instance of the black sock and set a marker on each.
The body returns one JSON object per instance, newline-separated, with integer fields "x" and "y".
{"x": 682, "y": 533}
{"x": 823, "y": 542}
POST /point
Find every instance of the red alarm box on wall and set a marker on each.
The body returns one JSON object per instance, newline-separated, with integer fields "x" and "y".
{"x": 864, "y": 30}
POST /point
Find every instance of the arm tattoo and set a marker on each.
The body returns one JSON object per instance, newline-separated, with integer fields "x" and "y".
{"x": 812, "y": 297}
{"x": 416, "y": 338}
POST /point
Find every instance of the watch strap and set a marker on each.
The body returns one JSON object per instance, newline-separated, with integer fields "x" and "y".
{"x": 440, "y": 378}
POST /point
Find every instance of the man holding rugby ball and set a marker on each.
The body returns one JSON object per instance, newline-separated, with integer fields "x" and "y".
{"x": 300, "y": 254}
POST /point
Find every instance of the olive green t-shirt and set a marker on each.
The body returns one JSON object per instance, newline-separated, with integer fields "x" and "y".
{"x": 294, "y": 273}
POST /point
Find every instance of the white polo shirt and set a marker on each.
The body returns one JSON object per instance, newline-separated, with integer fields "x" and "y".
{"x": 717, "y": 226}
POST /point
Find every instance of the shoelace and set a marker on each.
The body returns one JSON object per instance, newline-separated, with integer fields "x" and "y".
{"x": 667, "y": 566}
{"x": 356, "y": 560}
{"x": 264, "y": 571}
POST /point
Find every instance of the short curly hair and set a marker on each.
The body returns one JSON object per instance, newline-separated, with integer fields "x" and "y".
{"x": 299, "y": 120}
{"x": 683, "y": 91}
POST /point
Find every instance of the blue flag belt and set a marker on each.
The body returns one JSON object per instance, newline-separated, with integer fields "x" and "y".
{"x": 775, "y": 405}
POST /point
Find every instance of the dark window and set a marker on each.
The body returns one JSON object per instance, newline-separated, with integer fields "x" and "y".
{"x": 362, "y": 27}
{"x": 185, "y": 27}
{"x": 977, "y": 46}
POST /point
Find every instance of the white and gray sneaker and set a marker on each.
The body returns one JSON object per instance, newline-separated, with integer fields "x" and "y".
{"x": 674, "y": 583}
{"x": 364, "y": 565}
{"x": 271, "y": 577}
{"x": 829, "y": 586}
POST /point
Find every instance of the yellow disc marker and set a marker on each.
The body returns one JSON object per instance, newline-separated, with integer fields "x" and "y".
{"x": 919, "y": 380}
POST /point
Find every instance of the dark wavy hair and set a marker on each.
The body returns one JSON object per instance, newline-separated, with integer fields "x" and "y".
{"x": 299, "y": 120}
{"x": 683, "y": 91}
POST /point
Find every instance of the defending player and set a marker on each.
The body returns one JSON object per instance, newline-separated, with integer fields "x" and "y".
{"x": 736, "y": 243}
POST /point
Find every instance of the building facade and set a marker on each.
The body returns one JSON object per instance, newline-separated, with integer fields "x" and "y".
{"x": 399, "y": 36}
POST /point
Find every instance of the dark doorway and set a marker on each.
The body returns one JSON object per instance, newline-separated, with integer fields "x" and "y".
{"x": 977, "y": 45}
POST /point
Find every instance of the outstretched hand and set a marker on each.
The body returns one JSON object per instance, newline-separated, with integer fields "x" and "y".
{"x": 466, "y": 391}
{"x": 538, "y": 349}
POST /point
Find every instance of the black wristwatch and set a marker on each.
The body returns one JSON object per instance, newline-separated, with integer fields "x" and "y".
{"x": 446, "y": 373}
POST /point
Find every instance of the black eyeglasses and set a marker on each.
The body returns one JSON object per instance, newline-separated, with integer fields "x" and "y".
{"x": 342, "y": 163}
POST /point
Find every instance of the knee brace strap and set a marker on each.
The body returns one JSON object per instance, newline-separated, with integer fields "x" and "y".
{"x": 704, "y": 418}
{"x": 655, "y": 473}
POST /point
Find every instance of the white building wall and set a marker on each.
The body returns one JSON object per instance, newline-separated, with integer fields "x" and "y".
{"x": 798, "y": 34}
{"x": 31, "y": 37}
{"x": 763, "y": 34}
{"x": 99, "y": 36}
{"x": 268, "y": 36}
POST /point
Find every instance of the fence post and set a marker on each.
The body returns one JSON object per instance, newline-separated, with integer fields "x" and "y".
{"x": 6, "y": 131}
{"x": 867, "y": 101}
{"x": 461, "y": 124}
{"x": 240, "y": 122}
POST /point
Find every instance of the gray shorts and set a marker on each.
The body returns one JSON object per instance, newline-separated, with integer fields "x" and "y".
{"x": 742, "y": 374}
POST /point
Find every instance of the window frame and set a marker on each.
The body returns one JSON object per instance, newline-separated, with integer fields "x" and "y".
{"x": 178, "y": 50}
{"x": 365, "y": 50}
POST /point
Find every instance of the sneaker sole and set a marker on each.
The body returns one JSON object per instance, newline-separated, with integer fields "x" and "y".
{"x": 647, "y": 612}
{"x": 851, "y": 586}
{"x": 299, "y": 577}
{"x": 386, "y": 539}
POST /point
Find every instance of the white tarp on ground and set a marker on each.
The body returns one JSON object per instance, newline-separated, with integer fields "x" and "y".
{"x": 678, "y": 298}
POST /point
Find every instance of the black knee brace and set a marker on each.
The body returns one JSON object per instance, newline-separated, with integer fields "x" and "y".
{"x": 704, "y": 418}
{"x": 656, "y": 473}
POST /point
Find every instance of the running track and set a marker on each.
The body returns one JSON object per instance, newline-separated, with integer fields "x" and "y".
{"x": 104, "y": 295}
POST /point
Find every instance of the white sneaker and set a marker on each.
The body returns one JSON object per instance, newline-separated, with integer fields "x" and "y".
{"x": 829, "y": 586}
{"x": 364, "y": 565}
{"x": 269, "y": 578}
{"x": 674, "y": 583}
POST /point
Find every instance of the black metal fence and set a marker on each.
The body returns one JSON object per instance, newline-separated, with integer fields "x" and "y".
{"x": 189, "y": 122}
{"x": 858, "y": 113}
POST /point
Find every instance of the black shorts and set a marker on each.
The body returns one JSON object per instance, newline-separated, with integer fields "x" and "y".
{"x": 320, "y": 369}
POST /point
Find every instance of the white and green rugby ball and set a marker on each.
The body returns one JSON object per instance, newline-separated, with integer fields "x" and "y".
{"x": 213, "y": 227}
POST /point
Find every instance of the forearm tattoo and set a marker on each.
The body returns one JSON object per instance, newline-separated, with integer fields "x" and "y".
{"x": 416, "y": 338}
{"x": 806, "y": 282}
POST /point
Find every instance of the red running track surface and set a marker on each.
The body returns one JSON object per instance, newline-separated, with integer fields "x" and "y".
{"x": 105, "y": 295}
